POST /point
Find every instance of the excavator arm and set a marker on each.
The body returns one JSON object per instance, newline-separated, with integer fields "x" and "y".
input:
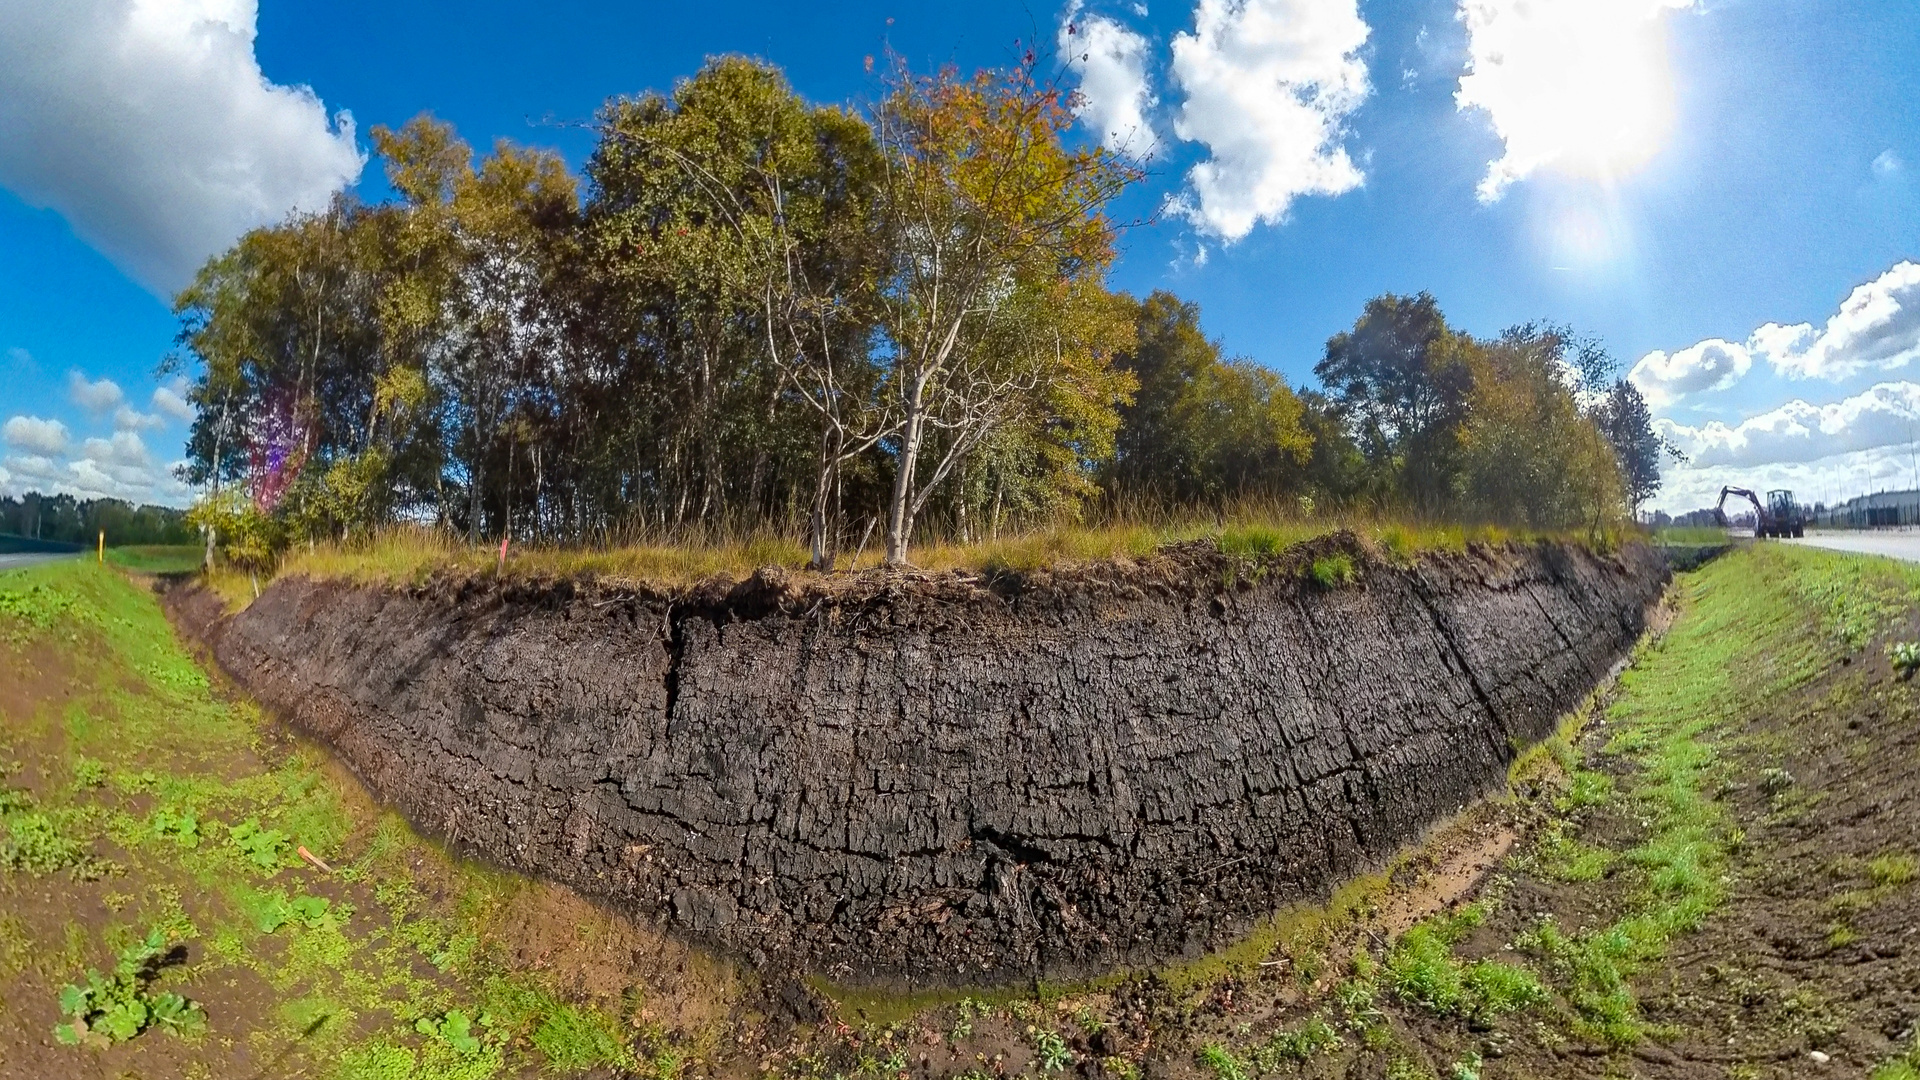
{"x": 1719, "y": 508}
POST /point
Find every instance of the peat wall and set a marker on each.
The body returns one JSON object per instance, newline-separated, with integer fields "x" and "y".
{"x": 933, "y": 779}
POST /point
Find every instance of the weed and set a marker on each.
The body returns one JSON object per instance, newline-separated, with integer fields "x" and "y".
{"x": 1905, "y": 656}
{"x": 88, "y": 773}
{"x": 1892, "y": 871}
{"x": 1589, "y": 788}
{"x": 1332, "y": 571}
{"x": 1467, "y": 1068}
{"x": 1222, "y": 1063}
{"x": 456, "y": 1030}
{"x": 34, "y": 844}
{"x": 1406, "y": 1068}
{"x": 114, "y": 1008}
{"x": 1049, "y": 1049}
{"x": 1314, "y": 1037}
{"x": 267, "y": 849}
{"x": 1904, "y": 1067}
{"x": 575, "y": 1040}
{"x": 182, "y": 827}
{"x": 1775, "y": 781}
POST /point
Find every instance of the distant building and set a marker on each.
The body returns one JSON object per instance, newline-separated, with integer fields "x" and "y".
{"x": 1879, "y": 510}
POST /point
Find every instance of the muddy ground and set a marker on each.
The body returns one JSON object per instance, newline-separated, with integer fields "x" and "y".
{"x": 1711, "y": 874}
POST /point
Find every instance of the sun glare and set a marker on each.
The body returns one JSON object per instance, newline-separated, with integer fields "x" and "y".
{"x": 1584, "y": 86}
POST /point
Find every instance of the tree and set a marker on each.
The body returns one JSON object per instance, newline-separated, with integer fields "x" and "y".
{"x": 1401, "y": 381}
{"x": 1528, "y": 454}
{"x": 1201, "y": 429}
{"x": 992, "y": 303}
{"x": 1627, "y": 423}
{"x": 737, "y": 190}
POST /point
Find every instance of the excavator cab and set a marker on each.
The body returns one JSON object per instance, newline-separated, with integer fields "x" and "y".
{"x": 1780, "y": 505}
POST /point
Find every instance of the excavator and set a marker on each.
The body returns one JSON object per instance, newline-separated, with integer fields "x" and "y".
{"x": 1780, "y": 517}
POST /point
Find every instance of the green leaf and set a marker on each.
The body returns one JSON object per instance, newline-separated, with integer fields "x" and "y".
{"x": 73, "y": 1000}
{"x": 67, "y": 1034}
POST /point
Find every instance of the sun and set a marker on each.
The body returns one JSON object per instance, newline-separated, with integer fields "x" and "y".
{"x": 1583, "y": 86}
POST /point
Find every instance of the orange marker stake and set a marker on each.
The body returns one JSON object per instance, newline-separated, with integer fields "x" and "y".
{"x": 503, "y": 554}
{"x": 103, "y": 547}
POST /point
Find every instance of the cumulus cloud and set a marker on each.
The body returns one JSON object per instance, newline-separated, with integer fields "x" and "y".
{"x": 1115, "y": 94}
{"x": 37, "y": 435}
{"x": 1581, "y": 84}
{"x": 1877, "y": 327}
{"x": 95, "y": 397}
{"x": 1711, "y": 365}
{"x": 119, "y": 467}
{"x": 1888, "y": 165}
{"x": 1268, "y": 86}
{"x": 1799, "y": 432}
{"x": 171, "y": 401}
{"x": 150, "y": 127}
{"x": 127, "y": 418}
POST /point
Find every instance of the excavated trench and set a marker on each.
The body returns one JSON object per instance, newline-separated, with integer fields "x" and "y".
{"x": 916, "y": 779}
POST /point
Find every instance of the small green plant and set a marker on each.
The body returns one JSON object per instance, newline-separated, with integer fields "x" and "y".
{"x": 1332, "y": 571}
{"x": 114, "y": 1008}
{"x": 34, "y": 844}
{"x": 265, "y": 848}
{"x": 1406, "y": 1068}
{"x": 182, "y": 827}
{"x": 1049, "y": 1049}
{"x": 271, "y": 911}
{"x": 1904, "y": 1067}
{"x": 1314, "y": 1037}
{"x": 1467, "y": 1068}
{"x": 1222, "y": 1063}
{"x": 1775, "y": 781}
{"x": 1893, "y": 871}
{"x": 1905, "y": 656}
{"x": 1119, "y": 1068}
{"x": 457, "y": 1031}
{"x": 88, "y": 773}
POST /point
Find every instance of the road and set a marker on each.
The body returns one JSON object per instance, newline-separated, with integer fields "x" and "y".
{"x": 15, "y": 562}
{"x": 1898, "y": 545}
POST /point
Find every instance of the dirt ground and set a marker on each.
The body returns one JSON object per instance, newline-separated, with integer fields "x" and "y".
{"x": 1710, "y": 874}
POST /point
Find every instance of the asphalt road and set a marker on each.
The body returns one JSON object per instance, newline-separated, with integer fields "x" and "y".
{"x": 1894, "y": 544}
{"x": 15, "y": 562}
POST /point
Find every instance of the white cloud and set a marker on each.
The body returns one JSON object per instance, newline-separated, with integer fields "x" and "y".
{"x": 1887, "y": 165}
{"x": 171, "y": 400}
{"x": 127, "y": 418}
{"x": 37, "y": 435}
{"x": 119, "y": 467}
{"x": 1111, "y": 61}
{"x": 1877, "y": 327}
{"x": 1711, "y": 365}
{"x": 149, "y": 125}
{"x": 95, "y": 397}
{"x": 1799, "y": 432}
{"x": 1578, "y": 84}
{"x": 1269, "y": 85}
{"x": 21, "y": 358}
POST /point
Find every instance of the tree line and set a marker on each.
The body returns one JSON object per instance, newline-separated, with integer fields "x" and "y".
{"x": 65, "y": 519}
{"x": 753, "y": 312}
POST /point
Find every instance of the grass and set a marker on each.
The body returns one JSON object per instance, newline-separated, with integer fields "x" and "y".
{"x": 157, "y": 558}
{"x": 1689, "y": 536}
{"x": 1744, "y": 637}
{"x": 171, "y": 801}
{"x": 410, "y": 555}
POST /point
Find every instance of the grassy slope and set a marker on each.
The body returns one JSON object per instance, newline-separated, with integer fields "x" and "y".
{"x": 143, "y": 771}
{"x": 157, "y": 558}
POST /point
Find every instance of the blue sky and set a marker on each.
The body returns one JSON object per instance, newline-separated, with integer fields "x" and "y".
{"x": 1724, "y": 191}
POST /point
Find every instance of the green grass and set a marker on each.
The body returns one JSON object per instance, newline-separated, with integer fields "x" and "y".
{"x": 157, "y": 558}
{"x": 404, "y": 554}
{"x": 1744, "y": 637}
{"x": 202, "y": 816}
{"x": 1690, "y": 536}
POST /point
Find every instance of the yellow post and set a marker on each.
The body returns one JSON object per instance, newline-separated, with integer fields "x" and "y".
{"x": 103, "y": 547}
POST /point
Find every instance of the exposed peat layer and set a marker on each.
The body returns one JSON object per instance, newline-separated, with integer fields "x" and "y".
{"x": 942, "y": 779}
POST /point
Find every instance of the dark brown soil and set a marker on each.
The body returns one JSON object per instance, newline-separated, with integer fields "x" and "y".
{"x": 927, "y": 780}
